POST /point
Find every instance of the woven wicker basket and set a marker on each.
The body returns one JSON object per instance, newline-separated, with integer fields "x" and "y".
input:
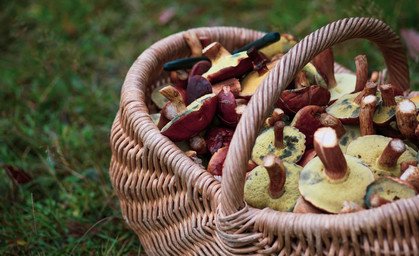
{"x": 177, "y": 208}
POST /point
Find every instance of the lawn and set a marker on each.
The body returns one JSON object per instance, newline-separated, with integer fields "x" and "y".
{"x": 62, "y": 64}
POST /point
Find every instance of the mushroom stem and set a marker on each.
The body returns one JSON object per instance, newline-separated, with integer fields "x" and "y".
{"x": 369, "y": 89}
{"x": 376, "y": 201}
{"x": 324, "y": 63}
{"x": 411, "y": 175}
{"x": 277, "y": 115}
{"x": 301, "y": 80}
{"x": 361, "y": 72}
{"x": 279, "y": 134}
{"x": 374, "y": 76}
{"x": 349, "y": 206}
{"x": 170, "y": 93}
{"x": 391, "y": 153}
{"x": 406, "y": 118}
{"x": 366, "y": 114}
{"x": 387, "y": 94}
{"x": 277, "y": 174}
{"x": 327, "y": 148}
{"x": 194, "y": 43}
{"x": 406, "y": 164}
{"x": 198, "y": 144}
{"x": 215, "y": 51}
{"x": 328, "y": 120}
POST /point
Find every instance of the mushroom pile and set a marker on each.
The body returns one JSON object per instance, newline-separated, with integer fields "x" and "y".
{"x": 334, "y": 143}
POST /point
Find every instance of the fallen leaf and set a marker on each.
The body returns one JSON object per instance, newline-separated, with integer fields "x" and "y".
{"x": 166, "y": 15}
{"x": 411, "y": 38}
{"x": 17, "y": 175}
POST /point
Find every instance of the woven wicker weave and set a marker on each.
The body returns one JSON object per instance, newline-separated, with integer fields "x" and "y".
{"x": 177, "y": 208}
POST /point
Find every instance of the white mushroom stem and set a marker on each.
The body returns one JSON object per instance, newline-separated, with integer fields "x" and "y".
{"x": 376, "y": 201}
{"x": 361, "y": 64}
{"x": 327, "y": 148}
{"x": 391, "y": 153}
{"x": 327, "y": 120}
{"x": 215, "y": 51}
{"x": 170, "y": 93}
{"x": 406, "y": 164}
{"x": 277, "y": 175}
{"x": 366, "y": 115}
{"x": 411, "y": 175}
{"x": 279, "y": 134}
{"x": 406, "y": 118}
{"x": 387, "y": 94}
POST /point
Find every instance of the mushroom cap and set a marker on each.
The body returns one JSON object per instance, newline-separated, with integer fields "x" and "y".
{"x": 294, "y": 145}
{"x": 345, "y": 84}
{"x": 228, "y": 67}
{"x": 197, "y": 116}
{"x": 346, "y": 109}
{"x": 252, "y": 80}
{"x": 282, "y": 46}
{"x": 256, "y": 189}
{"x": 389, "y": 188}
{"x": 352, "y": 132}
{"x": 328, "y": 195}
{"x": 385, "y": 114}
{"x": 369, "y": 148}
{"x": 313, "y": 75}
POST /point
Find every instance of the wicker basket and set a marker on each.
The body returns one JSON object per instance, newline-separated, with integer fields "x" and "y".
{"x": 177, "y": 208}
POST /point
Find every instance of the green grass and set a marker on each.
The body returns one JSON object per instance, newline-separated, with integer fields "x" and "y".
{"x": 62, "y": 64}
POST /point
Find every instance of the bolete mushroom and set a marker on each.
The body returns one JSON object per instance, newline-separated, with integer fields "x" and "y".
{"x": 406, "y": 118}
{"x": 286, "y": 42}
{"x": 197, "y": 116}
{"x": 285, "y": 142}
{"x": 411, "y": 175}
{"x": 332, "y": 178}
{"x": 381, "y": 154}
{"x": 386, "y": 110}
{"x": 273, "y": 184}
{"x": 387, "y": 189}
{"x": 225, "y": 65}
{"x": 347, "y": 107}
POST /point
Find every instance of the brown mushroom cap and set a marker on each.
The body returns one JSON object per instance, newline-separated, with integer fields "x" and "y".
{"x": 369, "y": 149}
{"x": 256, "y": 189}
{"x": 196, "y": 118}
{"x": 294, "y": 145}
{"x": 389, "y": 188}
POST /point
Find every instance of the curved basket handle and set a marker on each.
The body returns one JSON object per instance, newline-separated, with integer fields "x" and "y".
{"x": 232, "y": 186}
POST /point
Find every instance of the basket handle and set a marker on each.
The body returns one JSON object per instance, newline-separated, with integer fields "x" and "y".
{"x": 232, "y": 186}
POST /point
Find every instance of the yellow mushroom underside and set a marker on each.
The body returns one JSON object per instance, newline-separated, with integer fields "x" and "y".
{"x": 345, "y": 84}
{"x": 352, "y": 132}
{"x": 328, "y": 195}
{"x": 383, "y": 114}
{"x": 390, "y": 189}
{"x": 294, "y": 148}
{"x": 256, "y": 189}
{"x": 225, "y": 62}
{"x": 369, "y": 148}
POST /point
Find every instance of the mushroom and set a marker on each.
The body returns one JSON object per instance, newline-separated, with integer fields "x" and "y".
{"x": 285, "y": 142}
{"x": 386, "y": 110}
{"x": 218, "y": 137}
{"x": 216, "y": 163}
{"x": 383, "y": 155}
{"x": 286, "y": 42}
{"x": 366, "y": 114}
{"x": 273, "y": 184}
{"x": 225, "y": 65}
{"x": 197, "y": 116}
{"x": 349, "y": 207}
{"x": 292, "y": 100}
{"x": 233, "y": 83}
{"x": 411, "y": 175}
{"x": 302, "y": 206}
{"x": 387, "y": 189}
{"x": 406, "y": 118}
{"x": 347, "y": 107}
{"x": 226, "y": 107}
{"x": 332, "y": 178}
